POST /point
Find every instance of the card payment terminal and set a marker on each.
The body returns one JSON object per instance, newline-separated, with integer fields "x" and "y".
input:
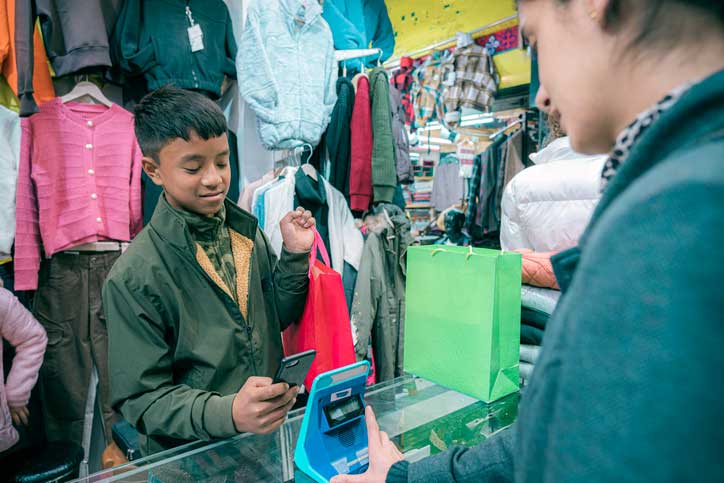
{"x": 333, "y": 438}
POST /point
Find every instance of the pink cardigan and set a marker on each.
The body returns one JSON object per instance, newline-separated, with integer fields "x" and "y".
{"x": 79, "y": 181}
{"x": 28, "y": 337}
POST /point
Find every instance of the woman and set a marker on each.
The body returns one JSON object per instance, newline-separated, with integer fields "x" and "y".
{"x": 629, "y": 386}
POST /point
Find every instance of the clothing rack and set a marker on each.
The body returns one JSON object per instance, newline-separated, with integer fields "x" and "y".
{"x": 395, "y": 63}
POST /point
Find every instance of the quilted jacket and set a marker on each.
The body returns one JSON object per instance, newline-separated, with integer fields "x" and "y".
{"x": 546, "y": 207}
{"x": 288, "y": 72}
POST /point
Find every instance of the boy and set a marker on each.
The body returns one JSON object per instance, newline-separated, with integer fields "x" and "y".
{"x": 196, "y": 305}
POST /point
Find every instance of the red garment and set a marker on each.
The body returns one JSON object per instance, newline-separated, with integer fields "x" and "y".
{"x": 360, "y": 178}
{"x": 402, "y": 80}
{"x": 538, "y": 269}
{"x": 79, "y": 181}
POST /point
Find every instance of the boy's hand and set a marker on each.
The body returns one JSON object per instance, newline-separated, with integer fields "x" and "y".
{"x": 297, "y": 230}
{"x": 260, "y": 407}
{"x": 20, "y": 415}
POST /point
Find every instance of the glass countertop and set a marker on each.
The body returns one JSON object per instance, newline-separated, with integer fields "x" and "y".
{"x": 421, "y": 417}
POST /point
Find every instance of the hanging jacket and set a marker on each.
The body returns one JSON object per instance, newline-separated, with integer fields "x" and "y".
{"x": 547, "y": 206}
{"x": 378, "y": 309}
{"x": 345, "y": 239}
{"x": 193, "y": 344}
{"x": 405, "y": 172}
{"x": 402, "y": 80}
{"x": 288, "y": 71}
{"x": 338, "y": 136}
{"x": 384, "y": 171}
{"x": 361, "y": 24}
{"x": 635, "y": 342}
{"x": 23, "y": 332}
{"x": 151, "y": 39}
{"x": 9, "y": 163}
{"x": 75, "y": 36}
{"x": 25, "y": 68}
{"x": 360, "y": 177}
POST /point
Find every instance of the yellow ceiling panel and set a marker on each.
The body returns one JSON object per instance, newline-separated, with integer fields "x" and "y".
{"x": 419, "y": 23}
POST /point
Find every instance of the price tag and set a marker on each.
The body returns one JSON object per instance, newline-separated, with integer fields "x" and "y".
{"x": 196, "y": 38}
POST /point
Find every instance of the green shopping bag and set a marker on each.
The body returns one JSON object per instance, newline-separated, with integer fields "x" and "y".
{"x": 462, "y": 325}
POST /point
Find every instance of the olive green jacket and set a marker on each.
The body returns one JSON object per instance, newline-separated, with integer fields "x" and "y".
{"x": 180, "y": 347}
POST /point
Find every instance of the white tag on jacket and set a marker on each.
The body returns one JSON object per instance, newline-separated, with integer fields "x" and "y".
{"x": 196, "y": 38}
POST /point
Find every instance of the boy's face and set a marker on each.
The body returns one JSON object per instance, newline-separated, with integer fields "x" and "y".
{"x": 194, "y": 174}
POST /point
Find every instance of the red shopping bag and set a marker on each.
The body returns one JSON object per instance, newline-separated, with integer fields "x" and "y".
{"x": 324, "y": 325}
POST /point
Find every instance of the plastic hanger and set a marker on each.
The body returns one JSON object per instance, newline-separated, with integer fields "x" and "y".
{"x": 85, "y": 88}
{"x": 308, "y": 169}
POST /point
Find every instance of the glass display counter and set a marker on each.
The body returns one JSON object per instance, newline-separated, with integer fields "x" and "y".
{"x": 422, "y": 418}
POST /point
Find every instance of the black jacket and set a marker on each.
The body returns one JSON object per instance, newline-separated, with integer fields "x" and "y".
{"x": 151, "y": 39}
{"x": 338, "y": 136}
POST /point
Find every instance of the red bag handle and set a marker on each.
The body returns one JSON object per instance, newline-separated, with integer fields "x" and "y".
{"x": 318, "y": 245}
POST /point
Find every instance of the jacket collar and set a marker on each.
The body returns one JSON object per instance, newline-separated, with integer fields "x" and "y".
{"x": 698, "y": 115}
{"x": 301, "y": 13}
{"x": 173, "y": 228}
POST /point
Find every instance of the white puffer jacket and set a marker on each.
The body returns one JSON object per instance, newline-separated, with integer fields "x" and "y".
{"x": 547, "y": 206}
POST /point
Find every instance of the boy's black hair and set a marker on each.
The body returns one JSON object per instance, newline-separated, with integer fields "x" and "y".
{"x": 171, "y": 113}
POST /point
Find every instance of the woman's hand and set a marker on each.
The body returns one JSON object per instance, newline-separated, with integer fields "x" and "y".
{"x": 383, "y": 454}
{"x": 20, "y": 415}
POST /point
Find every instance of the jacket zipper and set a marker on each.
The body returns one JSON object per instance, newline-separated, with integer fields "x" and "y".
{"x": 244, "y": 323}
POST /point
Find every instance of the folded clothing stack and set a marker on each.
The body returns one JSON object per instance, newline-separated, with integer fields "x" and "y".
{"x": 537, "y": 305}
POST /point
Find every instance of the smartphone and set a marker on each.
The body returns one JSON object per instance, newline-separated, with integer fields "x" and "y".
{"x": 293, "y": 369}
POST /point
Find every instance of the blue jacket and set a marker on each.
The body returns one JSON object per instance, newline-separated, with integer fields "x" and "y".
{"x": 288, "y": 72}
{"x": 629, "y": 383}
{"x": 360, "y": 24}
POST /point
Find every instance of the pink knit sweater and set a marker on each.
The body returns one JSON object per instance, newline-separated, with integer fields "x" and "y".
{"x": 18, "y": 327}
{"x": 79, "y": 181}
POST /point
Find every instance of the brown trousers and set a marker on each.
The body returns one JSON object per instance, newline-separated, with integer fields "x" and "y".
{"x": 68, "y": 304}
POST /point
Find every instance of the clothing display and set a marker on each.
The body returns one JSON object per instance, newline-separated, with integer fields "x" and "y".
{"x": 185, "y": 391}
{"x": 278, "y": 198}
{"x": 402, "y": 80}
{"x": 471, "y": 82}
{"x": 405, "y": 172}
{"x": 88, "y": 191}
{"x": 378, "y": 309}
{"x": 338, "y": 136}
{"x": 254, "y": 160}
{"x": 360, "y": 181}
{"x": 77, "y": 342}
{"x": 361, "y": 24}
{"x": 540, "y": 299}
{"x": 427, "y": 98}
{"x": 293, "y": 100}
{"x": 448, "y": 186}
{"x": 547, "y": 206}
{"x": 23, "y": 332}
{"x": 17, "y": 32}
{"x": 192, "y": 48}
{"x": 384, "y": 172}
{"x": 9, "y": 160}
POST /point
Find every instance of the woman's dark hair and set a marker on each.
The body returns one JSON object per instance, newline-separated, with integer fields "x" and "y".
{"x": 651, "y": 27}
{"x": 171, "y": 113}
